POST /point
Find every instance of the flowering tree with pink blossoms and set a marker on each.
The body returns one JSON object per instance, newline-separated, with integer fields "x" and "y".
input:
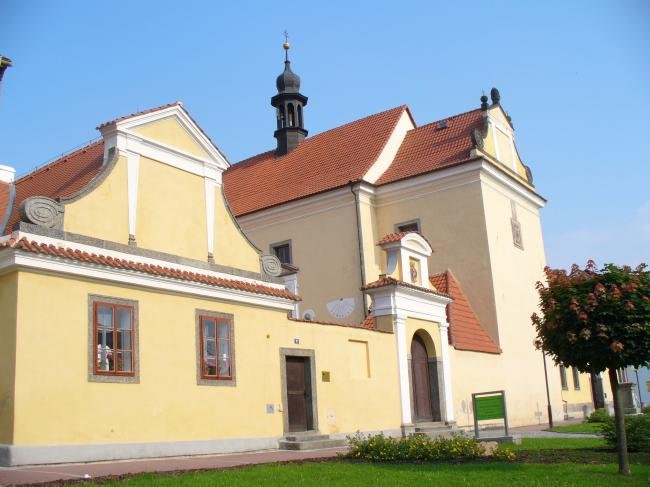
{"x": 596, "y": 320}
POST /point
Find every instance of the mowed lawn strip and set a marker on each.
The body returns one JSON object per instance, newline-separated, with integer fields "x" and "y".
{"x": 592, "y": 428}
{"x": 347, "y": 473}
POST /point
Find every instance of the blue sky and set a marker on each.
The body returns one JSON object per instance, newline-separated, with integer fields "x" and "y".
{"x": 574, "y": 76}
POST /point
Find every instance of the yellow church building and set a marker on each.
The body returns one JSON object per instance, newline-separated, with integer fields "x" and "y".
{"x": 157, "y": 300}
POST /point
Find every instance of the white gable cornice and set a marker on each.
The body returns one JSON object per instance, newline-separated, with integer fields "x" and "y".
{"x": 121, "y": 135}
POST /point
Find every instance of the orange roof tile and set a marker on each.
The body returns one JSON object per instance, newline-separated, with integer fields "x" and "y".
{"x": 63, "y": 177}
{"x": 78, "y": 255}
{"x": 397, "y": 236}
{"x": 465, "y": 329}
{"x": 136, "y": 114}
{"x": 325, "y": 161}
{"x": 431, "y": 147}
{"x": 368, "y": 323}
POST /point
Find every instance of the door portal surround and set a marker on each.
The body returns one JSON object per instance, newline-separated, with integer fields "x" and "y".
{"x": 310, "y": 358}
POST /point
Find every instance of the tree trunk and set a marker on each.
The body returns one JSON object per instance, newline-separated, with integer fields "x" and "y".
{"x": 619, "y": 417}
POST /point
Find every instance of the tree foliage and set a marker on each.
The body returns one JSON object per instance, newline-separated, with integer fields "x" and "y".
{"x": 595, "y": 319}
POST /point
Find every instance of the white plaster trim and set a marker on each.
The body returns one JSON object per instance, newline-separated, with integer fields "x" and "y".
{"x": 387, "y": 155}
{"x": 59, "y": 265}
{"x": 210, "y": 188}
{"x": 402, "y": 363}
{"x": 137, "y": 258}
{"x": 133, "y": 172}
{"x": 494, "y": 138}
{"x": 446, "y": 371}
{"x": 178, "y": 112}
{"x": 296, "y": 210}
{"x": 479, "y": 167}
{"x": 7, "y": 174}
{"x": 393, "y": 300}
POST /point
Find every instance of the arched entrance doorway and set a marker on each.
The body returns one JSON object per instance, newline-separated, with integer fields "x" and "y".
{"x": 424, "y": 382}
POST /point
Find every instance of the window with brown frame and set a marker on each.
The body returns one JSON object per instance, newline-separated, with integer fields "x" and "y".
{"x": 216, "y": 347}
{"x": 114, "y": 338}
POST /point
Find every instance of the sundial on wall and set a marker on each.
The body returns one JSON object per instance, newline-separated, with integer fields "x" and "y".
{"x": 341, "y": 308}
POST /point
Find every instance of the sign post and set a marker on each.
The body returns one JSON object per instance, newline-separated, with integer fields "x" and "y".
{"x": 489, "y": 405}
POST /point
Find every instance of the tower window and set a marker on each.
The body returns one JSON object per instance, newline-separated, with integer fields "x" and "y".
{"x": 409, "y": 226}
{"x": 291, "y": 117}
{"x": 299, "y": 110}
{"x": 282, "y": 250}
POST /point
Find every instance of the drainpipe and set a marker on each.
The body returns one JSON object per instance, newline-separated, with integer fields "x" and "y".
{"x": 548, "y": 394}
{"x": 360, "y": 240}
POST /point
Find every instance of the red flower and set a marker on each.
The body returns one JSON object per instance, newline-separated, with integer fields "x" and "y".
{"x": 616, "y": 347}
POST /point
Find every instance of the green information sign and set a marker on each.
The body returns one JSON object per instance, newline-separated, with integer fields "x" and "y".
{"x": 489, "y": 407}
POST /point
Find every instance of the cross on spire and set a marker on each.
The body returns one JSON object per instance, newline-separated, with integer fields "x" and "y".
{"x": 286, "y": 45}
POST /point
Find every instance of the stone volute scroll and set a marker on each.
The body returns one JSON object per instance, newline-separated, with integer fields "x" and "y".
{"x": 271, "y": 265}
{"x": 42, "y": 211}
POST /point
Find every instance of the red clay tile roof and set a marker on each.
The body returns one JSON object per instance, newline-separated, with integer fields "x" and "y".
{"x": 78, "y": 255}
{"x": 466, "y": 332}
{"x": 63, "y": 177}
{"x": 367, "y": 324}
{"x": 430, "y": 147}
{"x": 329, "y": 160}
{"x": 136, "y": 114}
{"x": 393, "y": 237}
{"x": 391, "y": 281}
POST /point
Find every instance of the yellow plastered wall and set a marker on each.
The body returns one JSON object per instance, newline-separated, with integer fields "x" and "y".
{"x": 325, "y": 248}
{"x": 515, "y": 273}
{"x": 171, "y": 210}
{"x": 103, "y": 212}
{"x": 231, "y": 247}
{"x": 167, "y": 404}
{"x": 170, "y": 132}
{"x": 452, "y": 220}
{"x": 8, "y": 316}
{"x": 505, "y": 149}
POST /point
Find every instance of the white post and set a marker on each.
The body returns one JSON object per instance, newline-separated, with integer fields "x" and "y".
{"x": 446, "y": 372}
{"x": 402, "y": 363}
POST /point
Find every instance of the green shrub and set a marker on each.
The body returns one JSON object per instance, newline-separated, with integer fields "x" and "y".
{"x": 646, "y": 410}
{"x": 380, "y": 448}
{"x": 598, "y": 416}
{"x": 637, "y": 430}
{"x": 502, "y": 453}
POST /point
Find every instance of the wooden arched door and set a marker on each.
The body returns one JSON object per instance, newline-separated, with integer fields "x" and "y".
{"x": 420, "y": 380}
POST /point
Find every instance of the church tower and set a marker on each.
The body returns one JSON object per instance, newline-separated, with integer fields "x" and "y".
{"x": 288, "y": 105}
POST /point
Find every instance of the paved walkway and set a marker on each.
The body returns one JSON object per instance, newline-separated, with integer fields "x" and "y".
{"x": 75, "y": 471}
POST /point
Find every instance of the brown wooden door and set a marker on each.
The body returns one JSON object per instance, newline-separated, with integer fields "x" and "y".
{"x": 299, "y": 394}
{"x": 421, "y": 382}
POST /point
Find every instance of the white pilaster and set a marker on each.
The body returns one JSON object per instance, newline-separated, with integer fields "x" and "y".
{"x": 133, "y": 172}
{"x": 402, "y": 362}
{"x": 210, "y": 188}
{"x": 446, "y": 371}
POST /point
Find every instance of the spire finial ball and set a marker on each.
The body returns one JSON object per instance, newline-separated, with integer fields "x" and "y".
{"x": 286, "y": 46}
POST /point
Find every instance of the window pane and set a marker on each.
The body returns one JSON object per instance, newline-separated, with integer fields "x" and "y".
{"x": 208, "y": 328}
{"x": 104, "y": 338}
{"x": 124, "y": 362}
{"x": 408, "y": 227}
{"x": 105, "y": 316}
{"x": 104, "y": 358}
{"x": 224, "y": 358}
{"x": 210, "y": 348}
{"x": 124, "y": 318}
{"x": 283, "y": 253}
{"x": 124, "y": 340}
{"x": 223, "y": 330}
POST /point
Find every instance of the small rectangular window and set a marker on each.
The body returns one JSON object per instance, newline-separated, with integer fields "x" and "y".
{"x": 215, "y": 347}
{"x": 409, "y": 226}
{"x": 576, "y": 378}
{"x": 282, "y": 251}
{"x": 113, "y": 354}
{"x": 563, "y": 379}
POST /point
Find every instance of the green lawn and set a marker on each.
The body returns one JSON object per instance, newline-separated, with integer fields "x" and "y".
{"x": 540, "y": 462}
{"x": 343, "y": 473}
{"x": 578, "y": 428}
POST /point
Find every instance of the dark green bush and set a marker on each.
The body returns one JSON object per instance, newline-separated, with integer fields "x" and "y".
{"x": 598, "y": 416}
{"x": 646, "y": 410}
{"x": 637, "y": 430}
{"x": 380, "y": 448}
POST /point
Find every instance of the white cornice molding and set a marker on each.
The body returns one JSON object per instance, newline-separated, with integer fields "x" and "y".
{"x": 405, "y": 301}
{"x": 13, "y": 258}
{"x": 138, "y": 258}
{"x": 493, "y": 173}
{"x": 120, "y": 135}
{"x": 296, "y": 210}
{"x": 387, "y": 154}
